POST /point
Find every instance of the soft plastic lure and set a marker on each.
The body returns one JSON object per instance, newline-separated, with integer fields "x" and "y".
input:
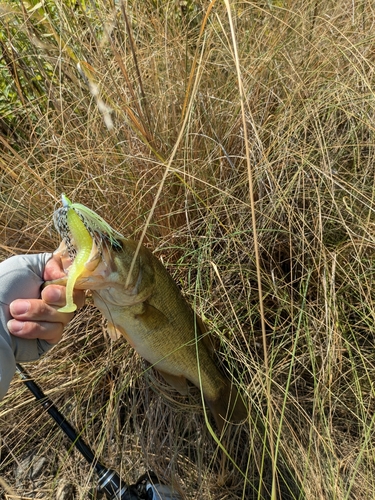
{"x": 79, "y": 227}
{"x": 83, "y": 244}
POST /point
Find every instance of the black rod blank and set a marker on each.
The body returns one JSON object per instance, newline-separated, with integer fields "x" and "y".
{"x": 109, "y": 481}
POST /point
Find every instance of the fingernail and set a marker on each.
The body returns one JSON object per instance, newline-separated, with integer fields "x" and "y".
{"x": 53, "y": 294}
{"x": 19, "y": 307}
{"x": 15, "y": 326}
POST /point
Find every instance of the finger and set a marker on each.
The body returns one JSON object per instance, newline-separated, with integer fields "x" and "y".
{"x": 56, "y": 295}
{"x": 53, "y": 269}
{"x": 51, "y": 332}
{"x": 36, "y": 310}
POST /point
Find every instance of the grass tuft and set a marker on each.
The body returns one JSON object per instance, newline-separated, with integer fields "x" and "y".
{"x": 236, "y": 139}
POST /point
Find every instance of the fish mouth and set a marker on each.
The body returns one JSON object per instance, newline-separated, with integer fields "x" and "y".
{"x": 102, "y": 234}
{"x": 105, "y": 241}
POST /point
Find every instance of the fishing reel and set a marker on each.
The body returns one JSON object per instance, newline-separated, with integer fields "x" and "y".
{"x": 148, "y": 487}
{"x": 110, "y": 484}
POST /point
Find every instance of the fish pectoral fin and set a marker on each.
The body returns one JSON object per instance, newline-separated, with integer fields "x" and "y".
{"x": 113, "y": 332}
{"x": 178, "y": 382}
{"x": 153, "y": 318}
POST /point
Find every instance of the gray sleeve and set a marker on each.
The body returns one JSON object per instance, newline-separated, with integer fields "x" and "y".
{"x": 7, "y": 366}
{"x": 21, "y": 277}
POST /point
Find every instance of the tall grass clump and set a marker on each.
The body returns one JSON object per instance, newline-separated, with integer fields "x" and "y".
{"x": 235, "y": 139}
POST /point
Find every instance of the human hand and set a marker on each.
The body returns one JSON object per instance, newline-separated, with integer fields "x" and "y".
{"x": 39, "y": 318}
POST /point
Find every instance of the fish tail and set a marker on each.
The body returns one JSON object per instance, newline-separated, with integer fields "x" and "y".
{"x": 229, "y": 407}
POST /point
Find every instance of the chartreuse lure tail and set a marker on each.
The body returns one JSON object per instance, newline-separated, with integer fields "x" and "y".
{"x": 83, "y": 244}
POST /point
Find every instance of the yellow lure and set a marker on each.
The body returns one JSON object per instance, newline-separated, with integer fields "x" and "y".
{"x": 83, "y": 243}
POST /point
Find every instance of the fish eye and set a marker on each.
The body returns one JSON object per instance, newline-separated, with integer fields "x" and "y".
{"x": 116, "y": 245}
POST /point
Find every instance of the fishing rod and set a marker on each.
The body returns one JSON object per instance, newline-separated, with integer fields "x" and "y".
{"x": 110, "y": 483}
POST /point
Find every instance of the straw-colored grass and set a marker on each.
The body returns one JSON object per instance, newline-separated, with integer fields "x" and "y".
{"x": 183, "y": 109}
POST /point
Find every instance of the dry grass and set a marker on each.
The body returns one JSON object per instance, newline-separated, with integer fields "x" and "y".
{"x": 174, "y": 168}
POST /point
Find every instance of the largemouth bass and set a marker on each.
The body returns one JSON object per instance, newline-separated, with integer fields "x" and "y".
{"x": 139, "y": 299}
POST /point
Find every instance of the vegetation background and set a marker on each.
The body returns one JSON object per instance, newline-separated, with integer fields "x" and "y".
{"x": 237, "y": 140}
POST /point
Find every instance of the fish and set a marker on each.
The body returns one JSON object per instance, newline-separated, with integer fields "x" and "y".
{"x": 140, "y": 300}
